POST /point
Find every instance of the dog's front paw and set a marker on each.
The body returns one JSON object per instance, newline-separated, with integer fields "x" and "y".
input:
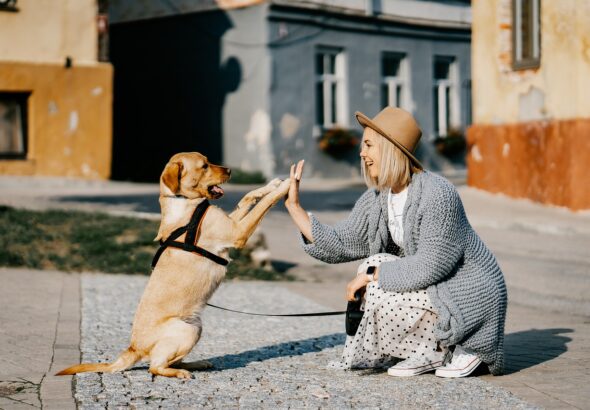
{"x": 284, "y": 186}
{"x": 274, "y": 183}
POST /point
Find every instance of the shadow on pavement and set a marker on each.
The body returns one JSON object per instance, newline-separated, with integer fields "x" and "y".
{"x": 529, "y": 348}
{"x": 341, "y": 200}
{"x": 292, "y": 348}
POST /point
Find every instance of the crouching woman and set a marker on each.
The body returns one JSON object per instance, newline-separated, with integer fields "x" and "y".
{"x": 437, "y": 298}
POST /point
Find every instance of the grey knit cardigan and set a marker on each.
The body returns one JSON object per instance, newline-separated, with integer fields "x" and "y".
{"x": 441, "y": 253}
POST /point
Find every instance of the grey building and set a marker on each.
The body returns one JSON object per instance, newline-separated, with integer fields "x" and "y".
{"x": 258, "y": 84}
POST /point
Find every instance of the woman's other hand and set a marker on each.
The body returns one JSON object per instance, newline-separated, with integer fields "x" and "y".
{"x": 359, "y": 282}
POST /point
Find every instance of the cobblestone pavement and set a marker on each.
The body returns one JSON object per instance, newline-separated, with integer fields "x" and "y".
{"x": 259, "y": 362}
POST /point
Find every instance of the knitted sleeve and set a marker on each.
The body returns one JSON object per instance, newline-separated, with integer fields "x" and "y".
{"x": 345, "y": 241}
{"x": 440, "y": 245}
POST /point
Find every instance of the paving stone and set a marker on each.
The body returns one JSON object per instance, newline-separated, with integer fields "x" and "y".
{"x": 258, "y": 362}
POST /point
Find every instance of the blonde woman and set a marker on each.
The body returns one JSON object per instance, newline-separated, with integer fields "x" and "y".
{"x": 436, "y": 300}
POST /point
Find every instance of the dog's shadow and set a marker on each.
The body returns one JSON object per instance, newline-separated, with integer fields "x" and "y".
{"x": 529, "y": 348}
{"x": 286, "y": 349}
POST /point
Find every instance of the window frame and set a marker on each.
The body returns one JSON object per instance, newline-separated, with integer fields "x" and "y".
{"x": 22, "y": 98}
{"x": 452, "y": 110}
{"x": 519, "y": 63}
{"x": 338, "y": 78}
{"x": 402, "y": 80}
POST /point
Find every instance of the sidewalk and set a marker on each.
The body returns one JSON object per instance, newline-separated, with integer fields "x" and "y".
{"x": 39, "y": 335}
{"x": 543, "y": 252}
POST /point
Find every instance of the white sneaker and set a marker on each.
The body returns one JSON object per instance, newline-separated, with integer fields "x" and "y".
{"x": 414, "y": 366}
{"x": 462, "y": 364}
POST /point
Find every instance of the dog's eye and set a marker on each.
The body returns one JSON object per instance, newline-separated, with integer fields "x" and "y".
{"x": 205, "y": 166}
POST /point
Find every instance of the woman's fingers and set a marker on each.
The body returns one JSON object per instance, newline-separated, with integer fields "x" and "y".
{"x": 299, "y": 171}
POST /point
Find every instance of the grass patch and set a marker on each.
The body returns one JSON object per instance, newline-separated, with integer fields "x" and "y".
{"x": 74, "y": 241}
{"x": 239, "y": 176}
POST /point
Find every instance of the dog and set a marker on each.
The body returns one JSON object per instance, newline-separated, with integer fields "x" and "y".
{"x": 167, "y": 323}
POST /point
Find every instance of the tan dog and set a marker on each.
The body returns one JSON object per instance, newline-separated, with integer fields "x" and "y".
{"x": 167, "y": 323}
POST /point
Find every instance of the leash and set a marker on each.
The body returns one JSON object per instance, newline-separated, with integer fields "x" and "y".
{"x": 193, "y": 230}
{"x": 286, "y": 315}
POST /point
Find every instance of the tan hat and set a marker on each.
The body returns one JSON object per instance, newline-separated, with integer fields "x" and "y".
{"x": 398, "y": 126}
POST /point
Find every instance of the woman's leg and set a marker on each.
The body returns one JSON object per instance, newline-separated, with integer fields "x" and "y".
{"x": 394, "y": 326}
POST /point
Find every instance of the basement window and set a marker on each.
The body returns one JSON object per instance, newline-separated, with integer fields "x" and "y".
{"x": 13, "y": 125}
{"x": 526, "y": 34}
{"x": 8, "y": 5}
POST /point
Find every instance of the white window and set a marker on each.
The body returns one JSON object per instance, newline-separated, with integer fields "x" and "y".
{"x": 446, "y": 95}
{"x": 331, "y": 99}
{"x": 526, "y": 35}
{"x": 395, "y": 89}
{"x": 13, "y": 122}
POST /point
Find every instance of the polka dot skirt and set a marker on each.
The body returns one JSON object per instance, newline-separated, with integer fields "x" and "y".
{"x": 394, "y": 326}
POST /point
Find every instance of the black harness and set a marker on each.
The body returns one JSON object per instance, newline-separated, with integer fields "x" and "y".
{"x": 190, "y": 245}
{"x": 192, "y": 236}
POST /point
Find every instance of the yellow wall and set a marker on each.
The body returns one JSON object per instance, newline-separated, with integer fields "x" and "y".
{"x": 50, "y": 30}
{"x": 70, "y": 116}
{"x": 557, "y": 90}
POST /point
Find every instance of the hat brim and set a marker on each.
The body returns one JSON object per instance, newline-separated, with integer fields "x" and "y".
{"x": 367, "y": 122}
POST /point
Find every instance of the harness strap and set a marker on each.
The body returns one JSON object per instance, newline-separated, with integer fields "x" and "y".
{"x": 192, "y": 230}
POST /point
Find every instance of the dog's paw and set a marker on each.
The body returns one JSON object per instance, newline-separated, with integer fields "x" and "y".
{"x": 284, "y": 186}
{"x": 274, "y": 183}
{"x": 183, "y": 374}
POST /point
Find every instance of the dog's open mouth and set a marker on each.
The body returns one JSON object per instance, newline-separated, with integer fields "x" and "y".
{"x": 215, "y": 191}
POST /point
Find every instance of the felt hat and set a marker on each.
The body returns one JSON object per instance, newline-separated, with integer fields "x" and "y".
{"x": 398, "y": 126}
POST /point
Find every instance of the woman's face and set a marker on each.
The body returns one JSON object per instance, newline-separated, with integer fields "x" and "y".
{"x": 371, "y": 152}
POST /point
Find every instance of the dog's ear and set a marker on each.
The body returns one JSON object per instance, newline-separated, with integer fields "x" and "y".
{"x": 171, "y": 176}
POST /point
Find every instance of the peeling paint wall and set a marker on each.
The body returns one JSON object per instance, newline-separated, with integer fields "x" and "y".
{"x": 69, "y": 112}
{"x": 531, "y": 132}
{"x": 49, "y": 30}
{"x": 556, "y": 90}
{"x": 69, "y": 119}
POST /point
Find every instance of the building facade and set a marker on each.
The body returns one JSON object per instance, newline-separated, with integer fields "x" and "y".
{"x": 531, "y": 76}
{"x": 259, "y": 84}
{"x": 55, "y": 97}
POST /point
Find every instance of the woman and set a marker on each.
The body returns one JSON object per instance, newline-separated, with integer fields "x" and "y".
{"x": 437, "y": 298}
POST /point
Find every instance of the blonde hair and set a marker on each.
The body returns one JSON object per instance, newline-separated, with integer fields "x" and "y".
{"x": 396, "y": 167}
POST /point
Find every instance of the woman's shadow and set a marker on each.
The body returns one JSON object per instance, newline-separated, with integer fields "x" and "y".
{"x": 529, "y": 348}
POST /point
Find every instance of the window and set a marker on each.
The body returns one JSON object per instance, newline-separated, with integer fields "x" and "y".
{"x": 331, "y": 101}
{"x": 446, "y": 96}
{"x": 8, "y": 5}
{"x": 13, "y": 125}
{"x": 526, "y": 34}
{"x": 395, "y": 83}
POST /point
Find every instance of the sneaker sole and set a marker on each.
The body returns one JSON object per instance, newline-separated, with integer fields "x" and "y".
{"x": 470, "y": 368}
{"x": 415, "y": 371}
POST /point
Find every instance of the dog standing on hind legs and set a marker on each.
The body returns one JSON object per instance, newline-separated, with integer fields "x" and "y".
{"x": 167, "y": 323}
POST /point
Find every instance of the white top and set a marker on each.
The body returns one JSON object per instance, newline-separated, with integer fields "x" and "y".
{"x": 395, "y": 211}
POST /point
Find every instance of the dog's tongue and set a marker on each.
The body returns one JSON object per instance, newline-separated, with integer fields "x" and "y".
{"x": 216, "y": 190}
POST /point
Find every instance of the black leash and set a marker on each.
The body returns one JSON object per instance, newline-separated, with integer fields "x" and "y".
{"x": 190, "y": 240}
{"x": 286, "y": 315}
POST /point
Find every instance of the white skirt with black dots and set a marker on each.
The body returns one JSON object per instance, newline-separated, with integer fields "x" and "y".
{"x": 394, "y": 325}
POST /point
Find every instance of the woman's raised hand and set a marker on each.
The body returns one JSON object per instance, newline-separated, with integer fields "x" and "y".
{"x": 292, "y": 204}
{"x": 292, "y": 199}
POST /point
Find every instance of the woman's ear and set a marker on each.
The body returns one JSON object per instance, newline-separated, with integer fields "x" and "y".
{"x": 171, "y": 176}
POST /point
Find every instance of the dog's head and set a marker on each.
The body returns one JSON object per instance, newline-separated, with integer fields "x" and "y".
{"x": 191, "y": 175}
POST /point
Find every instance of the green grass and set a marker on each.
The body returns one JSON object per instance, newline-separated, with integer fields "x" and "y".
{"x": 77, "y": 241}
{"x": 239, "y": 176}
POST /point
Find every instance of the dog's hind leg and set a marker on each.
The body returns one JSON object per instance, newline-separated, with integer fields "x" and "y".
{"x": 180, "y": 339}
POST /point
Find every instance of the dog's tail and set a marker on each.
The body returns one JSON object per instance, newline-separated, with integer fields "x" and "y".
{"x": 125, "y": 360}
